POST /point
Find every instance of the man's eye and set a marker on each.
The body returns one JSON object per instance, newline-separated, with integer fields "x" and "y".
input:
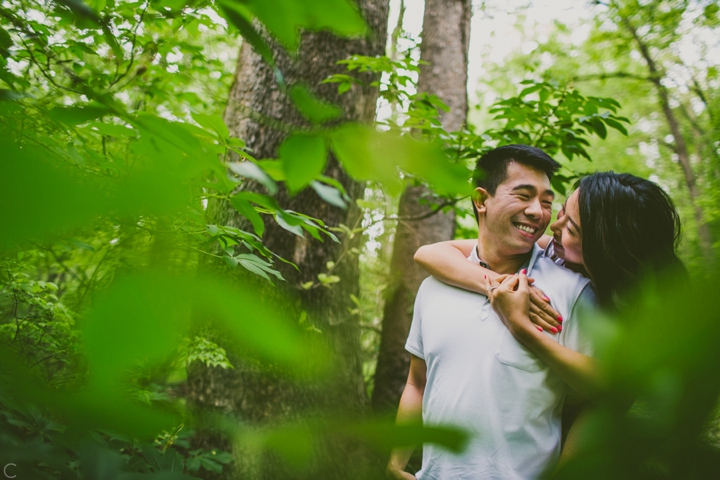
{"x": 523, "y": 196}
{"x": 547, "y": 204}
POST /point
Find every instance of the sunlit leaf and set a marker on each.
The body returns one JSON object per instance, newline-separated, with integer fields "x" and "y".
{"x": 303, "y": 158}
{"x": 247, "y": 211}
{"x": 251, "y": 170}
{"x": 212, "y": 122}
{"x": 330, "y": 194}
{"x": 78, "y": 115}
{"x": 368, "y": 154}
{"x": 285, "y": 18}
{"x": 37, "y": 198}
{"x": 240, "y": 18}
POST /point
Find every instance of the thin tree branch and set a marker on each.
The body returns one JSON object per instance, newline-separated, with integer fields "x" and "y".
{"x": 605, "y": 76}
{"x": 132, "y": 49}
{"x": 415, "y": 218}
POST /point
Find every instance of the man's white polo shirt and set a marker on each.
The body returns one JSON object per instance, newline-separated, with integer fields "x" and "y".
{"x": 483, "y": 380}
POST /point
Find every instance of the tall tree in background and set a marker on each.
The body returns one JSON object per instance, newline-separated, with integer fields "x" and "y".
{"x": 445, "y": 41}
{"x": 260, "y": 112}
{"x": 653, "y": 27}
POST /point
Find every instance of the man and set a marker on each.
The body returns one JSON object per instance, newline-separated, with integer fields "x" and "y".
{"x": 466, "y": 368}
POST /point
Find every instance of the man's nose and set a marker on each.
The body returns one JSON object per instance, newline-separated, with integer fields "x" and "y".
{"x": 534, "y": 209}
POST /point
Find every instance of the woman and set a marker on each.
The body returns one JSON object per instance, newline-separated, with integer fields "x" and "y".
{"x": 615, "y": 229}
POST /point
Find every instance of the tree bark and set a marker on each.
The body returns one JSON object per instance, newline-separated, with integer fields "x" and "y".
{"x": 260, "y": 113}
{"x": 704, "y": 235}
{"x": 445, "y": 41}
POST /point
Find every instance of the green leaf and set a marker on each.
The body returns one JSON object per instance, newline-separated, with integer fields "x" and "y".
{"x": 313, "y": 108}
{"x": 78, "y": 115}
{"x": 249, "y": 212}
{"x": 529, "y": 90}
{"x": 112, "y": 41}
{"x": 79, "y": 8}
{"x": 112, "y": 130}
{"x": 251, "y": 170}
{"x": 258, "y": 265}
{"x": 303, "y": 158}
{"x": 385, "y": 436}
{"x": 167, "y": 461}
{"x": 282, "y": 220}
{"x": 368, "y": 154}
{"x": 295, "y": 441}
{"x": 10, "y": 95}
{"x": 210, "y": 465}
{"x": 214, "y": 123}
{"x": 37, "y": 198}
{"x": 240, "y": 19}
{"x": 5, "y": 43}
{"x": 263, "y": 200}
{"x": 273, "y": 168}
{"x": 330, "y": 194}
{"x": 599, "y": 127}
{"x": 118, "y": 331}
{"x": 82, "y": 245}
{"x": 262, "y": 329}
{"x": 230, "y": 261}
{"x": 286, "y": 18}
{"x": 617, "y": 126}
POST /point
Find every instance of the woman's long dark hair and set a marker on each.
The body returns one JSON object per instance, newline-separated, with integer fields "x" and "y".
{"x": 630, "y": 228}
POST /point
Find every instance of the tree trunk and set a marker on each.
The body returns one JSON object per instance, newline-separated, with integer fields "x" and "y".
{"x": 681, "y": 150}
{"x": 445, "y": 40}
{"x": 262, "y": 115}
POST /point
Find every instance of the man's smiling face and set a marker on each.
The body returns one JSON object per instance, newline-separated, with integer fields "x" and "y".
{"x": 517, "y": 215}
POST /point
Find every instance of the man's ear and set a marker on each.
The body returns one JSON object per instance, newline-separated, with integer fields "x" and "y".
{"x": 479, "y": 196}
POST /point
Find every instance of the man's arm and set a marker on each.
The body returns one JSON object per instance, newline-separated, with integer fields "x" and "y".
{"x": 409, "y": 412}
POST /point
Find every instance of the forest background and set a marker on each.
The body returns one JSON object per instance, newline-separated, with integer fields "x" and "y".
{"x": 208, "y": 218}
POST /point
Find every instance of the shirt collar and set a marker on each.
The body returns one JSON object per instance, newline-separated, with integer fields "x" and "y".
{"x": 536, "y": 252}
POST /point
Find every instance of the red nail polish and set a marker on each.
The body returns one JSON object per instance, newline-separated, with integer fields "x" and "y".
{"x": 560, "y": 328}
{"x": 485, "y": 277}
{"x": 523, "y": 271}
{"x": 540, "y": 329}
{"x": 554, "y": 330}
{"x": 547, "y": 299}
{"x": 560, "y": 318}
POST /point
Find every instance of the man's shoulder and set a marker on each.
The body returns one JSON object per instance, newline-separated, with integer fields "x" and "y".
{"x": 432, "y": 287}
{"x": 547, "y": 267}
{"x": 432, "y": 284}
{"x": 551, "y": 277}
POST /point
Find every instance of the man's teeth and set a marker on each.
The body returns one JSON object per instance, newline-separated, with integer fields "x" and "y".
{"x": 526, "y": 228}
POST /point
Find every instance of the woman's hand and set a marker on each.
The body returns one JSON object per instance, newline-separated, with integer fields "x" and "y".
{"x": 511, "y": 301}
{"x": 541, "y": 312}
{"x": 530, "y": 302}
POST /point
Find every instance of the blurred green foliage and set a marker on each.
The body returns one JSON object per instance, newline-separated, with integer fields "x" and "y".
{"x": 113, "y": 142}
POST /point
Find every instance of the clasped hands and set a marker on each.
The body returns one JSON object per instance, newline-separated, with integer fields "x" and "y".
{"x": 521, "y": 305}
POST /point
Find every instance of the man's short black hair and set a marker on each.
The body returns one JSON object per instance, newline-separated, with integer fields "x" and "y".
{"x": 491, "y": 168}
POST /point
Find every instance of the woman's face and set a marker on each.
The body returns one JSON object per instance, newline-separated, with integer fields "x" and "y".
{"x": 567, "y": 236}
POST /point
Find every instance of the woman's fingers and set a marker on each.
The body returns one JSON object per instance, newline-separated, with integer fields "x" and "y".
{"x": 510, "y": 282}
{"x": 522, "y": 285}
{"x": 544, "y": 309}
{"x": 541, "y": 325}
{"x": 541, "y": 319}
